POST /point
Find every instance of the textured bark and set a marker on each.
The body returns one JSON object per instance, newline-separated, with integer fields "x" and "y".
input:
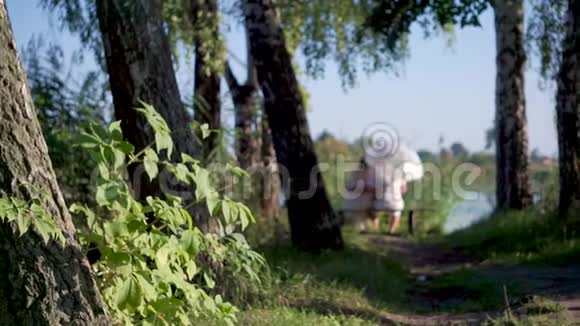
{"x": 568, "y": 116}
{"x": 40, "y": 284}
{"x": 513, "y": 185}
{"x": 139, "y": 63}
{"x": 244, "y": 98}
{"x": 313, "y": 222}
{"x": 207, "y": 106}
{"x": 270, "y": 183}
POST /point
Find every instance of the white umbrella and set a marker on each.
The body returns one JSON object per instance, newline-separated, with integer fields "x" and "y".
{"x": 402, "y": 161}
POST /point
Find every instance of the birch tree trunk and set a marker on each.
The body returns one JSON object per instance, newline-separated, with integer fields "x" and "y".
{"x": 513, "y": 184}
{"x": 39, "y": 284}
{"x": 313, "y": 222}
{"x": 568, "y": 116}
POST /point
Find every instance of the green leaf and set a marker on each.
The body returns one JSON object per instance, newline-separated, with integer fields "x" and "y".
{"x": 116, "y": 229}
{"x": 125, "y": 147}
{"x": 191, "y": 269}
{"x": 167, "y": 306}
{"x": 182, "y": 172}
{"x": 164, "y": 141}
{"x": 162, "y": 133}
{"x": 205, "y": 132}
{"x": 99, "y": 132}
{"x": 89, "y": 141}
{"x": 24, "y": 220}
{"x": 227, "y": 211}
{"x": 162, "y": 257}
{"x": 115, "y": 130}
{"x": 212, "y": 201}
{"x": 188, "y": 159}
{"x": 149, "y": 291}
{"x": 150, "y": 162}
{"x": 151, "y": 155}
{"x": 119, "y": 160}
{"x": 129, "y": 294}
{"x": 190, "y": 242}
{"x": 244, "y": 219}
{"x": 202, "y": 181}
{"x": 208, "y": 281}
{"x": 103, "y": 170}
{"x": 237, "y": 171}
{"x": 45, "y": 228}
{"x": 106, "y": 193}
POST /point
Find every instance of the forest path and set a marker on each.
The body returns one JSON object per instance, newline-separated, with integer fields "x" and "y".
{"x": 427, "y": 262}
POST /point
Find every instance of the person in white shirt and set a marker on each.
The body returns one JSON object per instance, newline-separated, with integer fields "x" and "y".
{"x": 359, "y": 196}
{"x": 391, "y": 186}
{"x": 371, "y": 189}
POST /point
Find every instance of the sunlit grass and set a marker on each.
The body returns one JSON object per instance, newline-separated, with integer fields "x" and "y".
{"x": 520, "y": 236}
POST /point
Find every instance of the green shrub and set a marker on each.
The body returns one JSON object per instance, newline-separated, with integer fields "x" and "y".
{"x": 156, "y": 266}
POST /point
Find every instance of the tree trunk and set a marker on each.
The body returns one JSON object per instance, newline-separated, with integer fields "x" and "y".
{"x": 140, "y": 67}
{"x": 513, "y": 185}
{"x": 244, "y": 99}
{"x": 313, "y": 222}
{"x": 270, "y": 183}
{"x": 568, "y": 115}
{"x": 207, "y": 104}
{"x": 39, "y": 284}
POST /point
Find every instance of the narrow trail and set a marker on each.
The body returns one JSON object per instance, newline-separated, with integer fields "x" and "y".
{"x": 426, "y": 262}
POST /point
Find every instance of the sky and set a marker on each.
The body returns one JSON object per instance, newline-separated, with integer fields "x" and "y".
{"x": 444, "y": 90}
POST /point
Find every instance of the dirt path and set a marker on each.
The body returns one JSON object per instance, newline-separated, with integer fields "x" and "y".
{"x": 427, "y": 262}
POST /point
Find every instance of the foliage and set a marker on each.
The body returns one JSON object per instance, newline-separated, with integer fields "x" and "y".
{"x": 433, "y": 197}
{"x": 391, "y": 21}
{"x": 156, "y": 266}
{"x": 426, "y": 155}
{"x": 24, "y": 215}
{"x": 545, "y": 184}
{"x": 545, "y": 33}
{"x": 324, "y": 30}
{"x": 333, "y": 156}
{"x": 64, "y": 106}
{"x": 80, "y": 18}
{"x": 459, "y": 150}
{"x": 191, "y": 25}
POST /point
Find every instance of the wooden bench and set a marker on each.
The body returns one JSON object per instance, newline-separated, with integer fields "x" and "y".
{"x": 412, "y": 214}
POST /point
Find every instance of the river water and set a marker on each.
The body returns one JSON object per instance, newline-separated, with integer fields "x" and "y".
{"x": 467, "y": 212}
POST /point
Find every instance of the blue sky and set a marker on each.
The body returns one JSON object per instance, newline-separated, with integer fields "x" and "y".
{"x": 443, "y": 90}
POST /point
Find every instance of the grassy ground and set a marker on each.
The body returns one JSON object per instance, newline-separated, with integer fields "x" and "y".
{"x": 368, "y": 282}
{"x": 348, "y": 287}
{"x": 526, "y": 236}
{"x": 361, "y": 285}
